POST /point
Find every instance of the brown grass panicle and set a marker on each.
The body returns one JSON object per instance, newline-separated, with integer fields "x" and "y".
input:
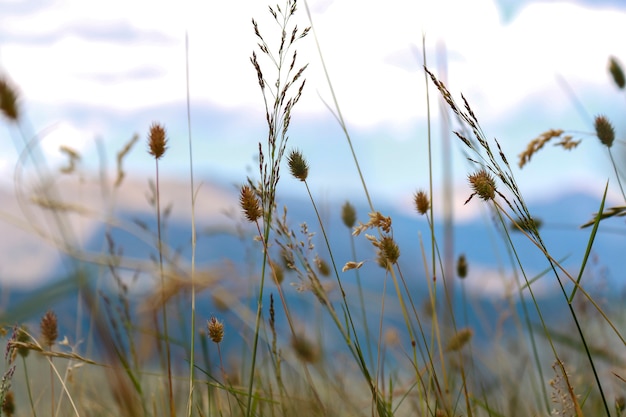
{"x": 49, "y": 329}
{"x": 215, "y": 328}
{"x": 249, "y": 202}
{"x": 298, "y": 252}
{"x": 278, "y": 95}
{"x": 484, "y": 152}
{"x": 421, "y": 201}
{"x": 617, "y": 73}
{"x": 9, "y": 103}
{"x": 157, "y": 140}
{"x": 604, "y": 130}
{"x": 567, "y": 142}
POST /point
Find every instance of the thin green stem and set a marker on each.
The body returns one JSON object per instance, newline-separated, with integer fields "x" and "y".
{"x": 30, "y": 393}
{"x": 259, "y": 310}
{"x": 193, "y": 237}
{"x": 163, "y": 303}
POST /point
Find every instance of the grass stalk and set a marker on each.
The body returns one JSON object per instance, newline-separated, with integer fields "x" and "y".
{"x": 157, "y": 143}
{"x": 192, "y": 193}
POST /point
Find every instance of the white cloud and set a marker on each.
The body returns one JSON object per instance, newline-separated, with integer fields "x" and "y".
{"x": 369, "y": 49}
{"x": 490, "y": 283}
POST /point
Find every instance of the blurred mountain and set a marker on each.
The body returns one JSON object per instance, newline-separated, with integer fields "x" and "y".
{"x": 228, "y": 263}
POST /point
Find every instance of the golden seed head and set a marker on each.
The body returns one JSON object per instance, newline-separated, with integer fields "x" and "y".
{"x": 322, "y": 266}
{"x": 604, "y": 131}
{"x": 157, "y": 140}
{"x": 389, "y": 250}
{"x": 216, "y": 329}
{"x": 297, "y": 165}
{"x": 22, "y": 336}
{"x": 616, "y": 72}
{"x": 8, "y": 405}
{"x": 460, "y": 339}
{"x": 279, "y": 272}
{"x": 483, "y": 184}
{"x": 49, "y": 329}
{"x": 461, "y": 267}
{"x": 422, "y": 203}
{"x": 250, "y": 204}
{"x": 348, "y": 215}
{"x": 304, "y": 348}
{"x": 8, "y": 100}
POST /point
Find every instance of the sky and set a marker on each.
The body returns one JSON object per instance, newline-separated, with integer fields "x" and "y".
{"x": 106, "y": 70}
{"x": 92, "y": 74}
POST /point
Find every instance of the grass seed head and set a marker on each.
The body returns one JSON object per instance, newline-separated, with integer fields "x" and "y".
{"x": 297, "y": 165}
{"x": 348, "y": 215}
{"x": 304, "y": 348}
{"x": 604, "y": 131}
{"x": 216, "y": 329}
{"x": 22, "y": 337}
{"x": 157, "y": 140}
{"x": 461, "y": 266}
{"x": 615, "y": 69}
{"x": 322, "y": 266}
{"x": 389, "y": 250}
{"x": 278, "y": 271}
{"x": 49, "y": 328}
{"x": 8, "y": 405}
{"x": 422, "y": 203}
{"x": 250, "y": 204}
{"x": 9, "y": 100}
{"x": 483, "y": 185}
{"x": 460, "y": 339}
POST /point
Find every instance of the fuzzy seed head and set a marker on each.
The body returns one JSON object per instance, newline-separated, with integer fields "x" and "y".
{"x": 348, "y": 215}
{"x": 297, "y": 165}
{"x": 279, "y": 272}
{"x": 460, "y": 339}
{"x": 8, "y": 101}
{"x": 8, "y": 405}
{"x": 461, "y": 267}
{"x": 250, "y": 204}
{"x": 305, "y": 350}
{"x": 422, "y": 203}
{"x": 216, "y": 329}
{"x": 22, "y": 336}
{"x": 483, "y": 185}
{"x": 322, "y": 266}
{"x": 49, "y": 328}
{"x": 157, "y": 140}
{"x": 615, "y": 69}
{"x": 389, "y": 250}
{"x": 604, "y": 131}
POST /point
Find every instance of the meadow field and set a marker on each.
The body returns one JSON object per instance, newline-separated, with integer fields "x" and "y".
{"x": 252, "y": 302}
